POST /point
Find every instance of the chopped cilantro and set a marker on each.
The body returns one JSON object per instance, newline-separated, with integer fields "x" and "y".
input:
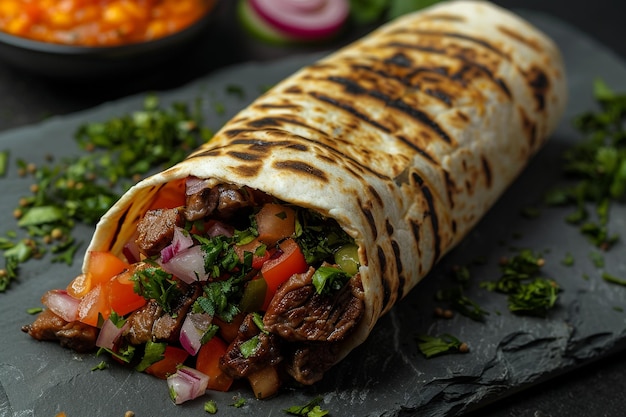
{"x": 4, "y": 162}
{"x": 597, "y": 166}
{"x": 153, "y": 352}
{"x": 210, "y": 407}
{"x": 431, "y": 346}
{"x": 613, "y": 279}
{"x": 220, "y": 299}
{"x": 319, "y": 237}
{"x": 311, "y": 409}
{"x": 238, "y": 402}
{"x": 153, "y": 283}
{"x": 327, "y": 279}
{"x": 528, "y": 293}
{"x": 101, "y": 366}
{"x": 250, "y": 347}
{"x": 461, "y": 303}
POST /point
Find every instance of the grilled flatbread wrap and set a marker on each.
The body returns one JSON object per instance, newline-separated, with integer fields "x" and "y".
{"x": 406, "y": 138}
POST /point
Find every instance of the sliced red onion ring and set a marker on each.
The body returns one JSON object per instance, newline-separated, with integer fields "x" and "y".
{"x": 180, "y": 241}
{"x": 304, "y": 19}
{"x": 187, "y": 265}
{"x": 192, "y": 330}
{"x": 186, "y": 384}
{"x": 194, "y": 185}
{"x": 110, "y": 334}
{"x": 62, "y": 304}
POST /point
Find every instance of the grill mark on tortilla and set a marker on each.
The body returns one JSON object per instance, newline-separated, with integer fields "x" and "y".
{"x": 540, "y": 84}
{"x": 245, "y": 156}
{"x": 353, "y": 88}
{"x": 287, "y": 106}
{"x": 388, "y": 227}
{"x": 278, "y": 120}
{"x": 445, "y": 17}
{"x": 262, "y": 144}
{"x": 382, "y": 259}
{"x": 399, "y": 267}
{"x": 432, "y": 213}
{"x": 399, "y": 59}
{"x": 348, "y": 108}
{"x": 440, "y": 95}
{"x": 530, "y": 128}
{"x": 417, "y": 149}
{"x": 531, "y": 43}
{"x": 249, "y": 171}
{"x": 370, "y": 220}
{"x": 468, "y": 63}
{"x": 486, "y": 170}
{"x": 293, "y": 145}
{"x": 301, "y": 167}
{"x": 450, "y": 186}
{"x": 447, "y": 34}
{"x": 377, "y": 196}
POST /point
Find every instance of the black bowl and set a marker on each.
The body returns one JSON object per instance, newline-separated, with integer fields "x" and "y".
{"x": 77, "y": 63}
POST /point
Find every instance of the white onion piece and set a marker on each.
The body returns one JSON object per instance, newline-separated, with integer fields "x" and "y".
{"x": 180, "y": 241}
{"x": 192, "y": 330}
{"x": 304, "y": 19}
{"x": 110, "y": 334}
{"x": 186, "y": 384}
{"x": 194, "y": 185}
{"x": 62, "y": 304}
{"x": 188, "y": 265}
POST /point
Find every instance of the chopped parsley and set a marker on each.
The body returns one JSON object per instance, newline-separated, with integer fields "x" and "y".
{"x": 597, "y": 166}
{"x": 210, "y": 407}
{"x": 528, "y": 292}
{"x": 431, "y": 346}
{"x": 319, "y": 237}
{"x": 220, "y": 299}
{"x": 311, "y": 409}
{"x": 81, "y": 188}
{"x": 327, "y": 279}
{"x": 153, "y": 283}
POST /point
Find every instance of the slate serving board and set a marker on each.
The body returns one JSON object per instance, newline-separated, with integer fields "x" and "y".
{"x": 387, "y": 375}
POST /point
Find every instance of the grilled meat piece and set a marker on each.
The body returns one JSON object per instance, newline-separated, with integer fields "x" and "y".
{"x": 74, "y": 335}
{"x": 156, "y": 230}
{"x": 266, "y": 353}
{"x": 298, "y": 313}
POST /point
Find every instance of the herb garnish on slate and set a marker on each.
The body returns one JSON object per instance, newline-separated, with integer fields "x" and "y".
{"x": 81, "y": 189}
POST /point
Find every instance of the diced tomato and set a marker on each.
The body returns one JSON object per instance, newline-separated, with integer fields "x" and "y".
{"x": 170, "y": 196}
{"x": 122, "y": 296}
{"x": 102, "y": 266}
{"x": 172, "y": 358}
{"x": 208, "y": 362}
{"x": 79, "y": 286}
{"x": 275, "y": 222}
{"x": 258, "y": 256}
{"x": 94, "y": 303}
{"x": 276, "y": 271}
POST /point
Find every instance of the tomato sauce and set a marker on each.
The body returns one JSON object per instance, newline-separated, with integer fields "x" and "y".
{"x": 98, "y": 22}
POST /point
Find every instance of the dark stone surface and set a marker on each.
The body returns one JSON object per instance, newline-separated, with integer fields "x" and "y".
{"x": 515, "y": 355}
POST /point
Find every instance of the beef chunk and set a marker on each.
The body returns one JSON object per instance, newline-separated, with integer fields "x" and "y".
{"x": 298, "y": 313}
{"x": 74, "y": 335}
{"x": 266, "y": 353}
{"x": 156, "y": 229}
{"x": 167, "y": 327}
{"x": 231, "y": 199}
{"x": 141, "y": 323}
{"x": 201, "y": 203}
{"x": 310, "y": 361}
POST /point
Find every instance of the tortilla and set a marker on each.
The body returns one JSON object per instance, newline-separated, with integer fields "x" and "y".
{"x": 406, "y": 138}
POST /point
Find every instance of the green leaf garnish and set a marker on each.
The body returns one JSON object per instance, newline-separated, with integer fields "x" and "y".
{"x": 431, "y": 346}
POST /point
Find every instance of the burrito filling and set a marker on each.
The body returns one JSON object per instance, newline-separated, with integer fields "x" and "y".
{"x": 228, "y": 280}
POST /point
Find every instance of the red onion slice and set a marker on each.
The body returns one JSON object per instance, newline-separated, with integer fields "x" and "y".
{"x": 180, "y": 241}
{"x": 187, "y": 265}
{"x": 62, "y": 304}
{"x": 194, "y": 185}
{"x": 186, "y": 384}
{"x": 192, "y": 330}
{"x": 110, "y": 334}
{"x": 304, "y": 19}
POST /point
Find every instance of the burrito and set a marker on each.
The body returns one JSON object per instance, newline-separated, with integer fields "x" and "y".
{"x": 281, "y": 241}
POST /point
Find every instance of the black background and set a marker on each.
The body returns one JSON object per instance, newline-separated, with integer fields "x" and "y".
{"x": 596, "y": 390}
